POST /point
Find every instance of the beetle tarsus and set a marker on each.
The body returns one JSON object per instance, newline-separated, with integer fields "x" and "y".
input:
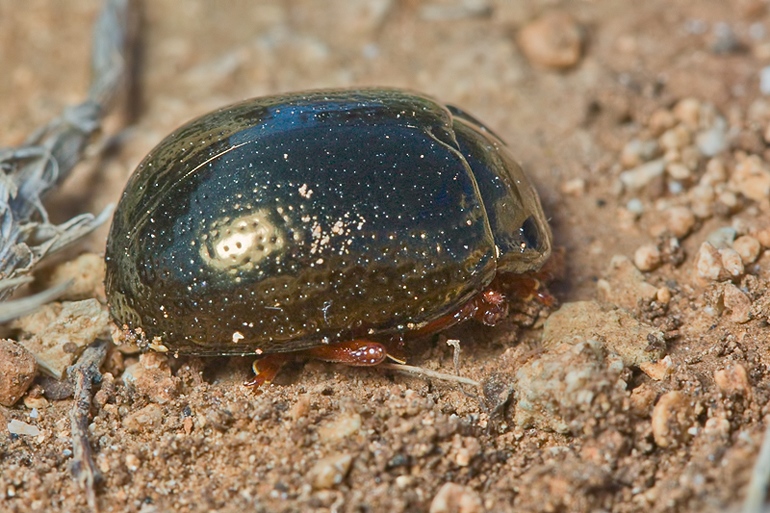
{"x": 265, "y": 369}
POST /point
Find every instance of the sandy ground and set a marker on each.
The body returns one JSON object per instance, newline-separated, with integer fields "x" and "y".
{"x": 646, "y": 131}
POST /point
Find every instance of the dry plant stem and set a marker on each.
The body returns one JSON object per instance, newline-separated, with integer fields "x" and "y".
{"x": 83, "y": 375}
{"x": 29, "y": 171}
{"x": 427, "y": 373}
{"x": 760, "y": 478}
{"x": 18, "y": 307}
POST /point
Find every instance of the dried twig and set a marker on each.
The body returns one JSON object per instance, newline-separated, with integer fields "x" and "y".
{"x": 29, "y": 171}
{"x": 83, "y": 375}
{"x": 26, "y": 305}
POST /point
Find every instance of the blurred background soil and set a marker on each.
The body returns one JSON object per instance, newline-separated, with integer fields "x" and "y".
{"x": 645, "y": 126}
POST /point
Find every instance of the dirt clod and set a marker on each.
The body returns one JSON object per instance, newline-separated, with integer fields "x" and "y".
{"x": 17, "y": 371}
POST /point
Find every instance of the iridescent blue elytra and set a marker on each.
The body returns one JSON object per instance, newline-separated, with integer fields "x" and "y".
{"x": 286, "y": 222}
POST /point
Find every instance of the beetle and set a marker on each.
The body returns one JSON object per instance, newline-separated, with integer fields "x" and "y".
{"x": 336, "y": 223}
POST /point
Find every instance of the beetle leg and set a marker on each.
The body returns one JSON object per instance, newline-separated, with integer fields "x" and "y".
{"x": 265, "y": 369}
{"x": 359, "y": 353}
{"x": 526, "y": 288}
{"x": 489, "y": 307}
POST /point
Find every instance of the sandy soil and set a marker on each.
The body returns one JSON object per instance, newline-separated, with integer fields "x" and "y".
{"x": 645, "y": 128}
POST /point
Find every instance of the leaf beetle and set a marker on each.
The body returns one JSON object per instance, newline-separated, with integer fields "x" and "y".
{"x": 333, "y": 223}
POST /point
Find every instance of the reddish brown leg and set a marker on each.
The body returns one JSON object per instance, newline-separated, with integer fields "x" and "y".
{"x": 525, "y": 288}
{"x": 359, "y": 353}
{"x": 489, "y": 307}
{"x": 265, "y": 369}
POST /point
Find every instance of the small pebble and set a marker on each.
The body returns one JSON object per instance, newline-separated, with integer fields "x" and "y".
{"x": 343, "y": 426}
{"x": 466, "y": 449}
{"x": 678, "y": 171}
{"x": 330, "y": 471}
{"x": 663, "y": 295}
{"x": 554, "y": 40}
{"x": 675, "y": 138}
{"x": 672, "y": 155}
{"x": 455, "y": 498}
{"x": 672, "y": 418}
{"x": 708, "y": 262}
{"x": 748, "y": 248}
{"x": 300, "y": 409}
{"x": 647, "y": 257}
{"x": 687, "y": 111}
{"x": 145, "y": 419}
{"x": 658, "y": 370}
{"x": 702, "y": 200}
{"x": 728, "y": 200}
{"x": 675, "y": 188}
{"x": 733, "y": 380}
{"x": 731, "y": 262}
{"x": 717, "y": 427}
{"x": 132, "y": 462}
{"x": 690, "y": 157}
{"x": 711, "y": 142}
{"x": 763, "y": 236}
{"x": 404, "y": 482}
{"x": 17, "y": 427}
{"x": 715, "y": 173}
{"x": 635, "y": 206}
{"x": 679, "y": 221}
{"x": 638, "y": 177}
{"x": 637, "y": 151}
{"x": 642, "y": 399}
{"x": 751, "y": 178}
{"x": 35, "y": 402}
{"x": 152, "y": 377}
{"x": 660, "y": 121}
{"x": 574, "y": 187}
{"x": 736, "y": 303}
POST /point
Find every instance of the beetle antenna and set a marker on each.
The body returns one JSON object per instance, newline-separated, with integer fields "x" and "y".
{"x": 429, "y": 374}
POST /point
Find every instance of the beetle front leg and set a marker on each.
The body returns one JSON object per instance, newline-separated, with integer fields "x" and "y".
{"x": 265, "y": 369}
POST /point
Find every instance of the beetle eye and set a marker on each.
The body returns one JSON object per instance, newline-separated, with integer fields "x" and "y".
{"x": 530, "y": 235}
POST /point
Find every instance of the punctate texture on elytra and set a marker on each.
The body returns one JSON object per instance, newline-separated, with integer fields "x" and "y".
{"x": 286, "y": 222}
